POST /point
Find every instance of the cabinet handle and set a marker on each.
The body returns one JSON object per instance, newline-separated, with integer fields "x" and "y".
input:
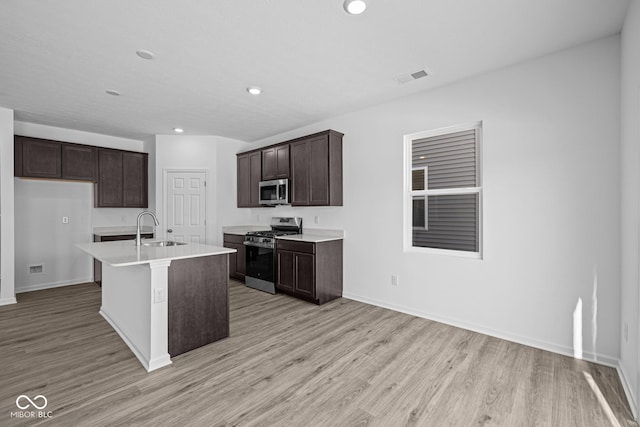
{"x": 169, "y": 230}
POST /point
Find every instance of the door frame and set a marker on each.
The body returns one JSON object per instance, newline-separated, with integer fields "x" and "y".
{"x": 165, "y": 198}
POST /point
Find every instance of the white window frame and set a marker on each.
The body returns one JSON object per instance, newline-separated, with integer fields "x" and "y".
{"x": 426, "y": 199}
{"x": 409, "y": 193}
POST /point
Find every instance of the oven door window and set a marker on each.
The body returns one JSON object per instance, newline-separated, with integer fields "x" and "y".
{"x": 259, "y": 263}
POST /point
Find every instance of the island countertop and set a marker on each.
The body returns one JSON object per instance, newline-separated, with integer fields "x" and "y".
{"x": 123, "y": 253}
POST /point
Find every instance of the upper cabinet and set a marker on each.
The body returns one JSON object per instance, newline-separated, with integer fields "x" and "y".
{"x": 79, "y": 162}
{"x": 249, "y": 175}
{"x": 37, "y": 158}
{"x": 316, "y": 170}
{"x": 312, "y": 163}
{"x": 275, "y": 162}
{"x": 122, "y": 179}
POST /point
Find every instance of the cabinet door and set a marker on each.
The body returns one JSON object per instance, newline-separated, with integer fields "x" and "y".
{"x": 319, "y": 171}
{"x": 40, "y": 158}
{"x": 110, "y": 184}
{"x": 134, "y": 180}
{"x": 300, "y": 173}
{"x": 244, "y": 181}
{"x": 249, "y": 176}
{"x": 268, "y": 164}
{"x": 79, "y": 162}
{"x": 304, "y": 282}
{"x": 282, "y": 161}
{"x": 237, "y": 260}
{"x": 255, "y": 165}
{"x": 285, "y": 270}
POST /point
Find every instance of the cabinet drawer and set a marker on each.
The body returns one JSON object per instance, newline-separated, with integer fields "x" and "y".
{"x": 233, "y": 238}
{"x": 290, "y": 245}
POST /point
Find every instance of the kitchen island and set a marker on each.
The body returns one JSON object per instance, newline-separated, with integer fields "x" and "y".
{"x": 163, "y": 300}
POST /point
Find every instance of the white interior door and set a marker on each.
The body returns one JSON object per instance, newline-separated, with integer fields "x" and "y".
{"x": 186, "y": 200}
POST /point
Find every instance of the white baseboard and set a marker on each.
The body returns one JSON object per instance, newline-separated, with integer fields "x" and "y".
{"x": 7, "y": 301}
{"x": 628, "y": 391}
{"x": 41, "y": 286}
{"x": 149, "y": 365}
{"x": 605, "y": 360}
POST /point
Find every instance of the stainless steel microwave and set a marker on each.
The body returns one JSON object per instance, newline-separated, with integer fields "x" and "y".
{"x": 274, "y": 192}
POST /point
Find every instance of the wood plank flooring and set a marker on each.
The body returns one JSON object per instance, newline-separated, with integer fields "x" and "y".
{"x": 291, "y": 363}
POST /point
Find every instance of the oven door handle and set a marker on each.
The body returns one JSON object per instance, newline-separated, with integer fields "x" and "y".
{"x": 257, "y": 245}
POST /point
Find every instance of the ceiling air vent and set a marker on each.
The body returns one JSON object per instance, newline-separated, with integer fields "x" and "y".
{"x": 406, "y": 78}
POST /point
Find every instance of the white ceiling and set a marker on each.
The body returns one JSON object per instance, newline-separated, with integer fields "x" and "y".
{"x": 312, "y": 60}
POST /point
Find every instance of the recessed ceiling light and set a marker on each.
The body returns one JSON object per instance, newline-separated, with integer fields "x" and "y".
{"x": 145, "y": 54}
{"x": 178, "y": 130}
{"x": 354, "y": 7}
{"x": 254, "y": 90}
{"x": 112, "y": 92}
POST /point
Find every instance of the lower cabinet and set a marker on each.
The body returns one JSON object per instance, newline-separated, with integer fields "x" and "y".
{"x": 311, "y": 271}
{"x": 97, "y": 265}
{"x": 236, "y": 260}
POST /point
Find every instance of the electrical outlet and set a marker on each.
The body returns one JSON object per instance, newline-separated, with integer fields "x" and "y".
{"x": 158, "y": 295}
{"x": 124, "y": 218}
{"x": 394, "y": 280}
{"x": 65, "y": 220}
{"x": 317, "y": 219}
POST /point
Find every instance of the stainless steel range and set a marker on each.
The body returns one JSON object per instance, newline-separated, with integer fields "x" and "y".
{"x": 261, "y": 252}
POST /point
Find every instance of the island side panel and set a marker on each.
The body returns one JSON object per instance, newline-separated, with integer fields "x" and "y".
{"x": 126, "y": 305}
{"x": 198, "y": 302}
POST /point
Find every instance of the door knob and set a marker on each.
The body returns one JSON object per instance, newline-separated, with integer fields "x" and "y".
{"x": 169, "y": 230}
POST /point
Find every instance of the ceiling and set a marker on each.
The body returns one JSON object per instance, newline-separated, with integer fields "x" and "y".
{"x": 312, "y": 60}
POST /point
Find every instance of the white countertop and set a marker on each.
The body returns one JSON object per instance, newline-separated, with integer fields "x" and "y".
{"x": 121, "y": 230}
{"x": 124, "y": 252}
{"x": 312, "y": 238}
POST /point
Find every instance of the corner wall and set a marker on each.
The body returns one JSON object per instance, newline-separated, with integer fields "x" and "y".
{"x": 551, "y": 159}
{"x": 7, "y": 273}
{"x": 630, "y": 192}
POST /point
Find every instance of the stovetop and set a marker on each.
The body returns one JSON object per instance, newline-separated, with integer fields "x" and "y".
{"x": 271, "y": 233}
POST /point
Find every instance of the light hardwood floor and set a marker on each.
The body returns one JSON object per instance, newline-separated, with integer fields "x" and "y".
{"x": 291, "y": 363}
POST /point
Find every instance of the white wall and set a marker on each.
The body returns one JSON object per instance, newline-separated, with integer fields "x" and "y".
{"x": 100, "y": 217}
{"x": 201, "y": 153}
{"x": 7, "y": 277}
{"x": 44, "y": 240}
{"x": 551, "y": 203}
{"x": 630, "y": 173}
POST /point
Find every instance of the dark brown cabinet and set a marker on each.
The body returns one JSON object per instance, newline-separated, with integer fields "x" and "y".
{"x": 249, "y": 176}
{"x": 198, "y": 309}
{"x": 275, "y": 162}
{"x": 122, "y": 179}
{"x": 79, "y": 162}
{"x": 311, "y": 271}
{"x": 43, "y": 158}
{"x": 316, "y": 170}
{"x": 312, "y": 163}
{"x": 237, "y": 262}
{"x": 37, "y": 158}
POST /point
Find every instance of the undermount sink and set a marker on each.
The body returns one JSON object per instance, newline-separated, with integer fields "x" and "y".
{"x": 160, "y": 243}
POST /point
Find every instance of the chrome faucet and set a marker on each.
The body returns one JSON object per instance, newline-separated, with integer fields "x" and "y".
{"x": 155, "y": 220}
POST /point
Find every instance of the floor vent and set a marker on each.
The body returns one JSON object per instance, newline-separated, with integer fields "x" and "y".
{"x": 35, "y": 269}
{"x": 406, "y": 78}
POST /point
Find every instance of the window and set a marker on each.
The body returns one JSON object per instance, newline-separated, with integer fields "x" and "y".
{"x": 443, "y": 192}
